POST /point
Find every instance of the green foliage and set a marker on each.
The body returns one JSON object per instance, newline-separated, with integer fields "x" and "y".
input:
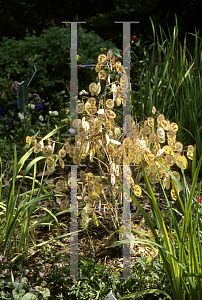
{"x": 172, "y": 83}
{"x": 50, "y": 53}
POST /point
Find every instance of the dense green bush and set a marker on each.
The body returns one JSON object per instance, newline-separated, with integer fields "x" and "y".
{"x": 50, "y": 53}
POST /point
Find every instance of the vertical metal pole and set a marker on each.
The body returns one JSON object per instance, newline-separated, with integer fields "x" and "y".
{"x": 73, "y": 115}
{"x": 126, "y": 168}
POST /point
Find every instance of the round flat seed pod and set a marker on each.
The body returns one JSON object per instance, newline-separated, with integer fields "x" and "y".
{"x": 51, "y": 169}
{"x": 190, "y": 155}
{"x": 173, "y": 195}
{"x": 167, "y": 183}
{"x": 178, "y": 146}
{"x": 183, "y": 162}
{"x": 84, "y": 177}
{"x": 109, "y": 103}
{"x": 76, "y": 150}
{"x": 85, "y": 220}
{"x": 67, "y": 147}
{"x": 98, "y": 88}
{"x": 62, "y": 153}
{"x": 37, "y": 148}
{"x": 150, "y": 122}
{"x": 121, "y": 151}
{"x": 64, "y": 204}
{"x": 93, "y": 110}
{"x": 171, "y": 134}
{"x": 92, "y": 197}
{"x": 92, "y": 101}
{"x": 153, "y": 110}
{"x": 76, "y": 123}
{"x": 169, "y": 160}
{"x": 126, "y": 160}
{"x": 102, "y": 74}
{"x": 117, "y": 132}
{"x": 98, "y": 188}
{"x": 118, "y": 101}
{"x": 47, "y": 150}
{"x": 93, "y": 88}
{"x": 34, "y": 142}
{"x": 126, "y": 142}
{"x": 190, "y": 148}
{"x": 76, "y": 159}
{"x": 143, "y": 132}
{"x": 160, "y": 132}
{"x": 97, "y": 68}
{"x": 137, "y": 190}
{"x": 108, "y": 126}
{"x": 171, "y": 142}
{"x": 153, "y": 178}
{"x": 152, "y": 168}
{"x": 152, "y": 137}
{"x": 110, "y": 113}
{"x": 80, "y": 108}
{"x": 61, "y": 162}
{"x": 109, "y": 54}
{"x": 61, "y": 185}
{"x": 50, "y": 161}
{"x": 174, "y": 127}
{"x": 97, "y": 125}
{"x": 90, "y": 176}
{"x": 89, "y": 208}
{"x": 138, "y": 158}
{"x": 150, "y": 157}
{"x": 168, "y": 150}
{"x": 177, "y": 175}
{"x": 102, "y": 59}
{"x": 160, "y": 118}
{"x": 165, "y": 124}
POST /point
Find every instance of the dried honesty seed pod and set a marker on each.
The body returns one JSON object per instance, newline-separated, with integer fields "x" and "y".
{"x": 80, "y": 108}
{"x": 137, "y": 190}
{"x": 76, "y": 123}
{"x": 64, "y": 204}
{"x": 50, "y": 160}
{"x": 190, "y": 148}
{"x": 97, "y": 68}
{"x": 153, "y": 110}
{"x": 28, "y": 141}
{"x": 178, "y": 146}
{"x": 50, "y": 169}
{"x": 102, "y": 59}
{"x": 160, "y": 132}
{"x": 93, "y": 88}
{"x": 150, "y": 121}
{"x": 174, "y": 127}
{"x": 165, "y": 124}
{"x": 109, "y": 103}
{"x": 160, "y": 118}
{"x": 102, "y": 74}
{"x": 47, "y": 150}
{"x": 62, "y": 153}
{"x": 190, "y": 155}
{"x": 183, "y": 161}
{"x": 176, "y": 174}
{"x": 110, "y": 113}
{"x": 61, "y": 185}
{"x": 109, "y": 54}
{"x": 92, "y": 101}
{"x": 37, "y": 148}
{"x": 61, "y": 162}
{"x": 173, "y": 195}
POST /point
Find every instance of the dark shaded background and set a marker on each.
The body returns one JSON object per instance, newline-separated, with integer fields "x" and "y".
{"x": 18, "y": 17}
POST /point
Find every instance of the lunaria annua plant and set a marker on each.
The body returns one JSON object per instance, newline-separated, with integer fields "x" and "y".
{"x": 152, "y": 143}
